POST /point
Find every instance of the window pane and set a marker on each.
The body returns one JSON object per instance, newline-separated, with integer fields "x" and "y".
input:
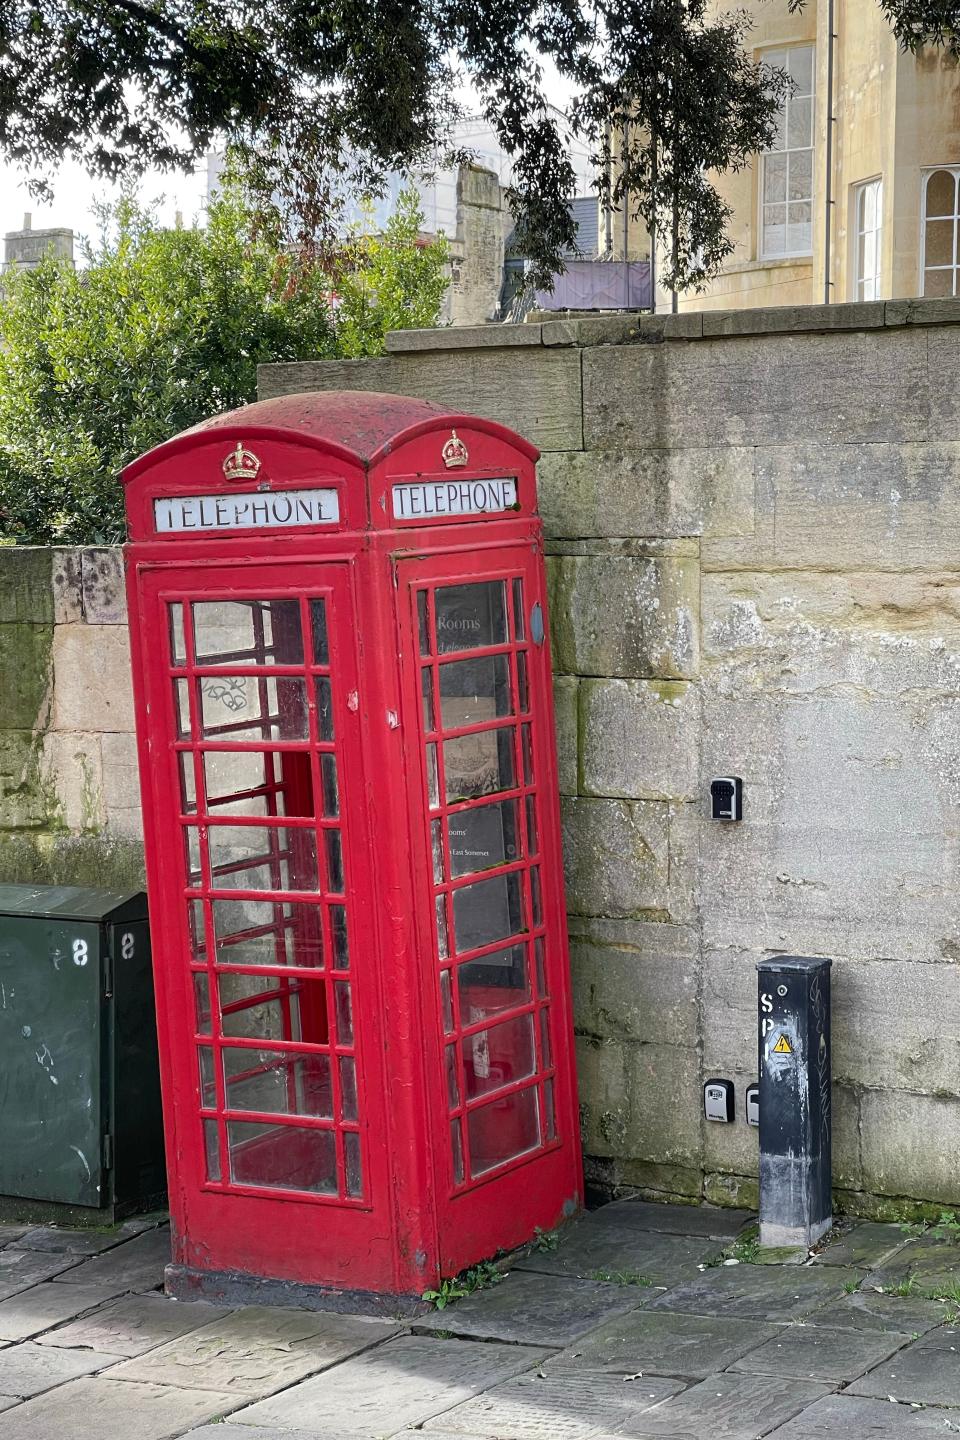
{"x": 181, "y": 707}
{"x": 486, "y": 912}
{"x": 938, "y": 282}
{"x": 277, "y": 1083}
{"x": 324, "y": 708}
{"x": 253, "y": 858}
{"x": 801, "y": 175}
{"x": 252, "y": 632}
{"x": 799, "y": 228}
{"x": 211, "y": 1144}
{"x": 941, "y": 193}
{"x": 799, "y": 60}
{"x": 282, "y": 1156}
{"x": 492, "y": 984}
{"x": 939, "y": 242}
{"x": 469, "y": 616}
{"x": 498, "y": 1056}
{"x": 503, "y": 1129}
{"x": 351, "y": 1160}
{"x": 479, "y": 764}
{"x": 483, "y": 838}
{"x": 472, "y": 691}
{"x": 253, "y": 707}
{"x": 178, "y": 649}
{"x": 260, "y": 932}
{"x": 799, "y": 123}
{"x": 277, "y": 1018}
{"x": 774, "y": 229}
{"x": 774, "y": 178}
{"x": 318, "y": 621}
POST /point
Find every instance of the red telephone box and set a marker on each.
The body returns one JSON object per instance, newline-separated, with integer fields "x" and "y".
{"x": 349, "y": 781}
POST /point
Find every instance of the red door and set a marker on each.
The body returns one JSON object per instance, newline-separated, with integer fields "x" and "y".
{"x": 492, "y": 928}
{"x": 269, "y": 1014}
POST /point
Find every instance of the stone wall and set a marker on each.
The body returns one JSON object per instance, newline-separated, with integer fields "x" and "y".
{"x": 753, "y": 529}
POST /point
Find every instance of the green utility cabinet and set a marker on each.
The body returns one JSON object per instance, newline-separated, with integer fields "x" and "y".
{"x": 81, "y": 1133}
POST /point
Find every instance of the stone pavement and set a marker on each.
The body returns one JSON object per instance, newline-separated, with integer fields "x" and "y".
{"x": 639, "y": 1320}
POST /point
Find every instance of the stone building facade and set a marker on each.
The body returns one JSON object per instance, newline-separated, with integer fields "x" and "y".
{"x": 754, "y": 570}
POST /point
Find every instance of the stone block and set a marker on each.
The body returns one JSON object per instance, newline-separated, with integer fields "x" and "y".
{"x": 807, "y": 1353}
{"x": 25, "y": 665}
{"x": 751, "y": 391}
{"x": 867, "y": 1309}
{"x": 100, "y": 1406}
{"x": 654, "y": 1341}
{"x": 121, "y": 784}
{"x": 925, "y": 1373}
{"x": 555, "y": 1403}
{"x": 791, "y": 319}
{"x": 640, "y": 1101}
{"x": 779, "y": 1293}
{"x": 699, "y": 1220}
{"x": 67, "y": 585}
{"x": 640, "y": 739}
{"x": 136, "y": 1265}
{"x": 542, "y": 1310}
{"x": 730, "y": 1407}
{"x": 42, "y": 1307}
{"x": 910, "y": 1144}
{"x": 635, "y": 982}
{"x": 533, "y": 390}
{"x": 617, "y": 857}
{"x": 861, "y": 1420}
{"x": 104, "y": 596}
{"x": 624, "y": 1255}
{"x": 20, "y": 1269}
{"x": 565, "y": 698}
{"x": 73, "y": 771}
{"x": 92, "y": 682}
{"x": 462, "y": 337}
{"x": 922, "y": 312}
{"x": 25, "y": 799}
{"x": 26, "y": 589}
{"x": 654, "y": 492}
{"x": 630, "y": 616}
{"x": 128, "y": 1327}
{"x": 29, "y": 1369}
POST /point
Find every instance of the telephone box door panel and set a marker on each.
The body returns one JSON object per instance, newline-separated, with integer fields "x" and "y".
{"x": 272, "y": 1056}
{"x": 491, "y": 922}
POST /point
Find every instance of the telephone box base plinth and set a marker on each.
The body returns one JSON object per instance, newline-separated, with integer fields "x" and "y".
{"x": 225, "y": 1287}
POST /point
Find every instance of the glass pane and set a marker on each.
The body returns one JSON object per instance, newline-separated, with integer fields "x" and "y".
{"x": 211, "y": 1145}
{"x": 344, "y": 1010}
{"x": 188, "y": 788}
{"x": 938, "y": 282}
{"x": 283, "y": 1157}
{"x": 799, "y": 123}
{"x": 469, "y": 616}
{"x": 328, "y": 776}
{"x": 423, "y": 622}
{"x": 251, "y": 857}
{"x": 774, "y": 229}
{"x": 536, "y": 900}
{"x": 493, "y": 984}
{"x": 498, "y": 1056}
{"x": 324, "y": 708}
{"x": 191, "y": 846}
{"x": 181, "y": 708}
{"x": 195, "y": 927}
{"x": 426, "y": 687}
{"x": 201, "y": 996}
{"x": 519, "y": 623}
{"x": 456, "y": 1146}
{"x": 533, "y": 843}
{"x": 245, "y": 991}
{"x": 483, "y": 838}
{"x": 472, "y": 691}
{"x": 443, "y": 943}
{"x": 941, "y": 193}
{"x": 348, "y": 1087}
{"x": 546, "y": 1053}
{"x": 277, "y": 1018}
{"x": 487, "y": 911}
{"x": 774, "y": 179}
{"x": 178, "y": 645}
{"x": 246, "y": 782}
{"x": 446, "y": 1001}
{"x": 526, "y": 746}
{"x": 436, "y": 846}
{"x": 479, "y": 764}
{"x": 351, "y": 1157}
{"x": 939, "y": 242}
{"x": 503, "y": 1129}
{"x": 334, "y": 861}
{"x": 453, "y": 1084}
{"x": 253, "y": 707}
{"x": 539, "y": 951}
{"x": 799, "y": 63}
{"x": 867, "y": 217}
{"x": 550, "y": 1110}
{"x": 278, "y": 1083}
{"x": 341, "y": 950}
{"x": 208, "y": 1085}
{"x": 318, "y": 623}
{"x": 261, "y": 932}
{"x": 800, "y": 166}
{"x": 251, "y": 632}
{"x": 433, "y": 784}
{"x": 800, "y": 228}
{"x": 523, "y": 688}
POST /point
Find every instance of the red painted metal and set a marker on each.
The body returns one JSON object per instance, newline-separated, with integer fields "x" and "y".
{"x": 353, "y": 853}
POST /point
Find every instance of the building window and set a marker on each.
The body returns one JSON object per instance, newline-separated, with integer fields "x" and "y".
{"x": 939, "y": 252}
{"x": 786, "y": 169}
{"x": 867, "y": 225}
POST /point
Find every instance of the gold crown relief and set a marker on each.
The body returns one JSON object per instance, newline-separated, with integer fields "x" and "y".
{"x": 241, "y": 464}
{"x": 454, "y": 452}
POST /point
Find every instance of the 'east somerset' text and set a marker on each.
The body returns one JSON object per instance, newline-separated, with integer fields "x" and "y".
{"x": 424, "y": 499}
{"x": 256, "y": 511}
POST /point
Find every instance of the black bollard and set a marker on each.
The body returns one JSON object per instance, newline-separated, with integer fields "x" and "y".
{"x": 795, "y": 1120}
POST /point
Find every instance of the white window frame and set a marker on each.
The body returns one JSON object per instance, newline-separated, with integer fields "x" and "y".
{"x": 928, "y": 175}
{"x": 778, "y": 57}
{"x": 864, "y": 283}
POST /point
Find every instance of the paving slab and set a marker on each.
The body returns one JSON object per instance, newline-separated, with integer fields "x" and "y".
{"x": 608, "y": 1252}
{"x": 726, "y": 1407}
{"x": 541, "y": 1405}
{"x": 30, "y": 1369}
{"x": 662, "y": 1343}
{"x": 54, "y": 1240}
{"x": 254, "y": 1432}
{"x": 103, "y": 1409}
{"x": 7, "y": 1401}
{"x": 925, "y": 1373}
{"x": 866, "y": 1309}
{"x": 256, "y": 1351}
{"x": 703, "y": 1220}
{"x": 137, "y": 1265}
{"x": 931, "y": 1265}
{"x": 755, "y": 1292}
{"x": 127, "y": 1327}
{"x": 808, "y": 1353}
{"x": 29, "y": 1313}
{"x": 402, "y": 1383}
{"x": 864, "y": 1246}
{"x": 529, "y": 1309}
{"x": 854, "y": 1419}
{"x": 10, "y": 1234}
{"x": 19, "y": 1269}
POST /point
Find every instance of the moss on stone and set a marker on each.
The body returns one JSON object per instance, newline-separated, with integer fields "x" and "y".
{"x": 100, "y": 860}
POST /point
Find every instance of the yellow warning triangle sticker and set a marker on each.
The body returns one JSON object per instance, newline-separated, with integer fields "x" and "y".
{"x": 783, "y": 1046}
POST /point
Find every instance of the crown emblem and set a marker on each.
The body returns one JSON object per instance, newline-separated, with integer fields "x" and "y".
{"x": 454, "y": 452}
{"x": 241, "y": 464}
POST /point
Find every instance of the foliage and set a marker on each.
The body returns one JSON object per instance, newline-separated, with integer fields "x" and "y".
{"x": 947, "y": 1227}
{"x": 545, "y": 1240}
{"x": 478, "y": 1277}
{"x": 622, "y": 1277}
{"x": 164, "y": 327}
